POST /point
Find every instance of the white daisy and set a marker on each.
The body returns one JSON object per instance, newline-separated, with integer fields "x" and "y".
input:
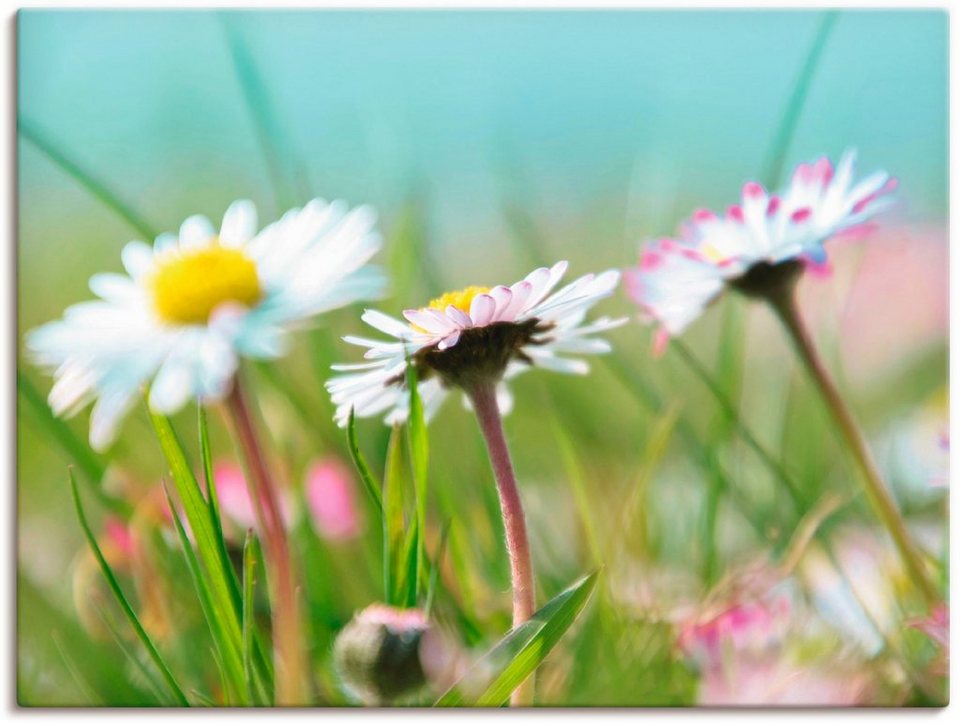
{"x": 191, "y": 305}
{"x": 475, "y": 335}
{"x": 676, "y": 279}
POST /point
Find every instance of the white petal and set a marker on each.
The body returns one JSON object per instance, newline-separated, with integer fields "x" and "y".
{"x": 430, "y": 319}
{"x": 387, "y": 324}
{"x": 172, "y": 387}
{"x": 481, "y": 309}
{"x": 449, "y": 341}
{"x": 239, "y": 224}
{"x": 137, "y": 258}
{"x": 196, "y": 232}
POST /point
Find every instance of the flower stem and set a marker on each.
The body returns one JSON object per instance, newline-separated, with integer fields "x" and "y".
{"x": 285, "y": 615}
{"x": 484, "y": 398}
{"x": 784, "y": 304}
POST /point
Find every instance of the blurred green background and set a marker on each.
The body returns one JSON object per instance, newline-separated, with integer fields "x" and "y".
{"x": 491, "y": 142}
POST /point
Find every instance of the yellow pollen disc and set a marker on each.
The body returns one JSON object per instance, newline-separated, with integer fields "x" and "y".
{"x": 458, "y": 299}
{"x": 188, "y": 285}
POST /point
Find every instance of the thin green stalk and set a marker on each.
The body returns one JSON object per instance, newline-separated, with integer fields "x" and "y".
{"x": 98, "y": 189}
{"x": 791, "y": 113}
{"x": 784, "y": 306}
{"x": 258, "y": 104}
{"x": 122, "y": 599}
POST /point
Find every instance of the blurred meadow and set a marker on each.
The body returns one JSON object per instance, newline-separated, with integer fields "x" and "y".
{"x": 491, "y": 143}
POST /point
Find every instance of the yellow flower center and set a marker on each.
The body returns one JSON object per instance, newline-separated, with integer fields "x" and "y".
{"x": 458, "y": 299}
{"x": 188, "y": 285}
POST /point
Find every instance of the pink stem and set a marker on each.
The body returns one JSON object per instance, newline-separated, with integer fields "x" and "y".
{"x": 285, "y": 614}
{"x": 484, "y": 400}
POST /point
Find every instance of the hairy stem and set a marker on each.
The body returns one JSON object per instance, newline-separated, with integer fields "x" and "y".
{"x": 783, "y": 303}
{"x": 484, "y": 398}
{"x": 285, "y": 614}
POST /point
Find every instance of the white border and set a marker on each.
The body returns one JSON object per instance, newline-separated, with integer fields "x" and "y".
{"x": 8, "y": 359}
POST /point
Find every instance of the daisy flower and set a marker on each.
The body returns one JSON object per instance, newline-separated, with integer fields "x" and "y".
{"x": 757, "y": 243}
{"x": 192, "y": 304}
{"x": 472, "y": 340}
{"x": 474, "y": 335}
{"x": 760, "y": 247}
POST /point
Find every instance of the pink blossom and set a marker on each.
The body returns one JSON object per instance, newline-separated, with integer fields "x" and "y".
{"x": 234, "y": 496}
{"x": 329, "y": 491}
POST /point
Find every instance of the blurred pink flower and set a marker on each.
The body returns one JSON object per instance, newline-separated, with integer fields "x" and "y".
{"x": 329, "y": 490}
{"x": 937, "y": 628}
{"x": 119, "y": 537}
{"x": 740, "y": 627}
{"x": 771, "y": 681}
{"x": 234, "y": 496}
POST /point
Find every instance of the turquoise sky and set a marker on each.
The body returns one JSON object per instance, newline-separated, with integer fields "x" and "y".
{"x": 633, "y": 114}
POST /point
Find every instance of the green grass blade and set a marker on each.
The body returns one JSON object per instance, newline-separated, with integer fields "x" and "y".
{"x": 95, "y": 187}
{"x": 122, "y": 599}
{"x": 227, "y": 656}
{"x": 370, "y": 483}
{"x": 419, "y": 460}
{"x": 255, "y": 686}
{"x": 780, "y": 144}
{"x": 435, "y": 569}
{"x": 198, "y": 516}
{"x": 575, "y": 476}
{"x": 394, "y": 526}
{"x": 269, "y": 134}
{"x": 213, "y": 503}
{"x": 521, "y": 651}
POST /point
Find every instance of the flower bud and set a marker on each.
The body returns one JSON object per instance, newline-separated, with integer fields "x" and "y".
{"x": 377, "y": 655}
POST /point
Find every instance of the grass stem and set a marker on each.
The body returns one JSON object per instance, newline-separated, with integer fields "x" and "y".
{"x": 784, "y": 305}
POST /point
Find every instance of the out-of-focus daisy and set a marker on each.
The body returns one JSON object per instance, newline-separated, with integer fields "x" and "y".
{"x": 755, "y": 242}
{"x": 475, "y": 335}
{"x": 189, "y": 306}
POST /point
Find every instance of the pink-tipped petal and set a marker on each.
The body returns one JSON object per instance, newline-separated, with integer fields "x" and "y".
{"x": 661, "y": 339}
{"x": 481, "y": 309}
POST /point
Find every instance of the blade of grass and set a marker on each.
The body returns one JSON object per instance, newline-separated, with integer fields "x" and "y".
{"x": 419, "y": 458}
{"x": 122, "y": 599}
{"x": 96, "y": 188}
{"x": 370, "y": 483}
{"x": 198, "y": 516}
{"x": 255, "y": 687}
{"x": 780, "y": 144}
{"x": 575, "y": 476}
{"x": 435, "y": 569}
{"x": 156, "y": 685}
{"x": 228, "y": 657}
{"x": 393, "y": 517}
{"x": 74, "y": 671}
{"x": 494, "y": 677}
{"x": 257, "y": 98}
